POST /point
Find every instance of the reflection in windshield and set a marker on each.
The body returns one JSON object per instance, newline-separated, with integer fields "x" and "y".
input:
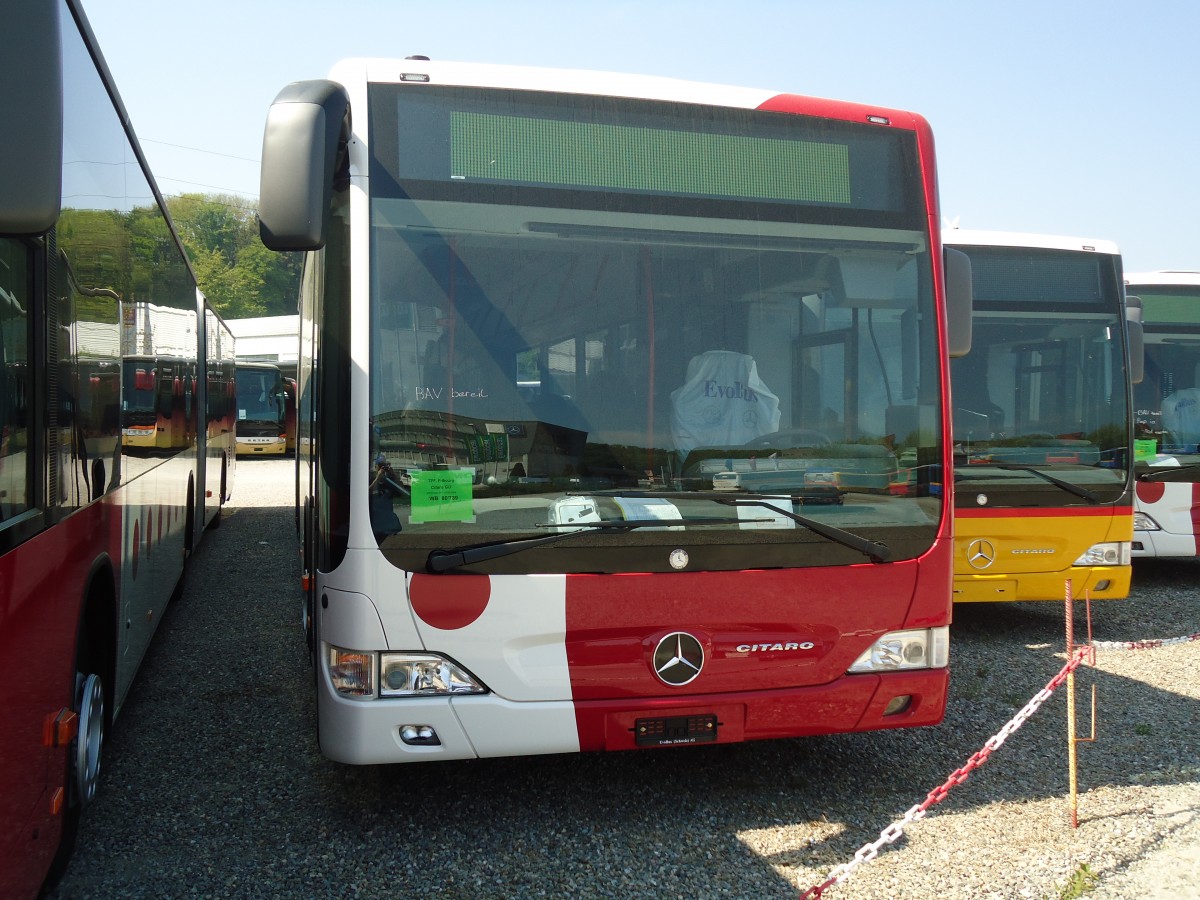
{"x": 1040, "y": 396}
{"x": 513, "y": 371}
{"x": 1167, "y": 401}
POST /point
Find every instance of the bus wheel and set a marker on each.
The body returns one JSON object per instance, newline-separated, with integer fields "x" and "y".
{"x": 215, "y": 521}
{"x": 85, "y": 759}
{"x": 189, "y": 522}
{"x": 82, "y": 769}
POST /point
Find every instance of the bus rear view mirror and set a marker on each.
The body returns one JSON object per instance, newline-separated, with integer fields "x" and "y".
{"x": 31, "y": 154}
{"x": 304, "y": 150}
{"x": 959, "y": 301}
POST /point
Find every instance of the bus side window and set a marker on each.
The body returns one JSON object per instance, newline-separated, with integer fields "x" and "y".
{"x": 16, "y": 464}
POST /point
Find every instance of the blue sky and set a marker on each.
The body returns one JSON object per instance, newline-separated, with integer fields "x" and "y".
{"x": 1056, "y": 116}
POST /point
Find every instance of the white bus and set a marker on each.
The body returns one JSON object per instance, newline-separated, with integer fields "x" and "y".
{"x": 540, "y": 311}
{"x": 1167, "y": 415}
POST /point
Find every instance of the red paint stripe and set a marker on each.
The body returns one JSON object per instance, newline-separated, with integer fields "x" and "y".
{"x": 839, "y": 109}
{"x": 1081, "y": 512}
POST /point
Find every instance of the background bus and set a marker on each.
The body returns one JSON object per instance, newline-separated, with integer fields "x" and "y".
{"x": 289, "y": 389}
{"x": 535, "y": 332}
{"x": 262, "y": 400}
{"x": 1042, "y": 421}
{"x": 93, "y": 533}
{"x": 157, "y": 345}
{"x": 1167, "y": 409}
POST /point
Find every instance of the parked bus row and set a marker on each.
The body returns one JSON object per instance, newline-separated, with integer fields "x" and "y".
{"x": 631, "y": 385}
{"x": 116, "y": 427}
{"x": 629, "y": 413}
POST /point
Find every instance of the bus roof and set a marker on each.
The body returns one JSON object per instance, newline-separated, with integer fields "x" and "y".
{"x": 1165, "y": 277}
{"x": 614, "y": 84}
{"x": 956, "y": 236}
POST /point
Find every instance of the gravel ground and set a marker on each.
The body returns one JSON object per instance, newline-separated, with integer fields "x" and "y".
{"x": 213, "y": 785}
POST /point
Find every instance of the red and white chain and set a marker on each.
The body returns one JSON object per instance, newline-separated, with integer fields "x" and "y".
{"x": 892, "y": 833}
{"x": 1145, "y": 645}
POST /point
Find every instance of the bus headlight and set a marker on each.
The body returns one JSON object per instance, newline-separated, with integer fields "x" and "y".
{"x": 920, "y": 648}
{"x": 355, "y": 674}
{"x": 1116, "y": 553}
{"x": 423, "y": 675}
{"x": 1142, "y": 522}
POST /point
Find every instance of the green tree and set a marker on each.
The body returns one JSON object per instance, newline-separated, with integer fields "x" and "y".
{"x": 235, "y": 271}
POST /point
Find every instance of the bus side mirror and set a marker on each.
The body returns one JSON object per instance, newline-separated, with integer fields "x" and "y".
{"x": 959, "y": 301}
{"x": 32, "y": 149}
{"x": 304, "y": 151}
{"x": 1137, "y": 339}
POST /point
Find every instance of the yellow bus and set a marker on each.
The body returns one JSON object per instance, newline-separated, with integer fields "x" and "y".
{"x": 261, "y": 410}
{"x": 1041, "y": 422}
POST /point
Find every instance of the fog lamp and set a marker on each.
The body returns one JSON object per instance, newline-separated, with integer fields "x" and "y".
{"x": 898, "y": 705}
{"x": 419, "y": 736}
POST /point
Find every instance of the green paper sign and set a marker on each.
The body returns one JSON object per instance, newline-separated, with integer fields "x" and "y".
{"x": 443, "y": 495}
{"x": 1144, "y": 449}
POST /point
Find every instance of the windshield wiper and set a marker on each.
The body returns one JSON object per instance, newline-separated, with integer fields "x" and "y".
{"x": 1164, "y": 473}
{"x": 444, "y": 560}
{"x": 1089, "y": 496}
{"x": 878, "y": 552}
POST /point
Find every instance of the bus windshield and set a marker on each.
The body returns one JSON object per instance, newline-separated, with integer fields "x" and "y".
{"x": 260, "y": 395}
{"x": 1167, "y": 402}
{"x": 1040, "y": 401}
{"x": 558, "y": 345}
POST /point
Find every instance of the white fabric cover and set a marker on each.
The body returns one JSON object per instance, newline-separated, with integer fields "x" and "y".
{"x": 1181, "y": 415}
{"x": 723, "y": 403}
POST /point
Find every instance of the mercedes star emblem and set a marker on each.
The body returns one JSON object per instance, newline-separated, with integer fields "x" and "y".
{"x": 981, "y": 554}
{"x": 678, "y": 658}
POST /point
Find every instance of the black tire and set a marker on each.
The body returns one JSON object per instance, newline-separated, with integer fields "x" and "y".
{"x": 215, "y": 522}
{"x": 83, "y": 759}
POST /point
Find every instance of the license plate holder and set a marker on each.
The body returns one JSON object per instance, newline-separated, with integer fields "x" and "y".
{"x": 670, "y": 731}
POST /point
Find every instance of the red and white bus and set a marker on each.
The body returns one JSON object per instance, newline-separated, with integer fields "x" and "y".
{"x": 93, "y": 534}
{"x": 1167, "y": 411}
{"x": 1042, "y": 424}
{"x": 610, "y": 381}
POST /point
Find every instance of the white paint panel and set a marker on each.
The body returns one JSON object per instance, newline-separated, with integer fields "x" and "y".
{"x": 1173, "y": 513}
{"x": 953, "y": 236}
{"x": 517, "y": 646}
{"x": 571, "y": 81}
{"x": 500, "y": 728}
